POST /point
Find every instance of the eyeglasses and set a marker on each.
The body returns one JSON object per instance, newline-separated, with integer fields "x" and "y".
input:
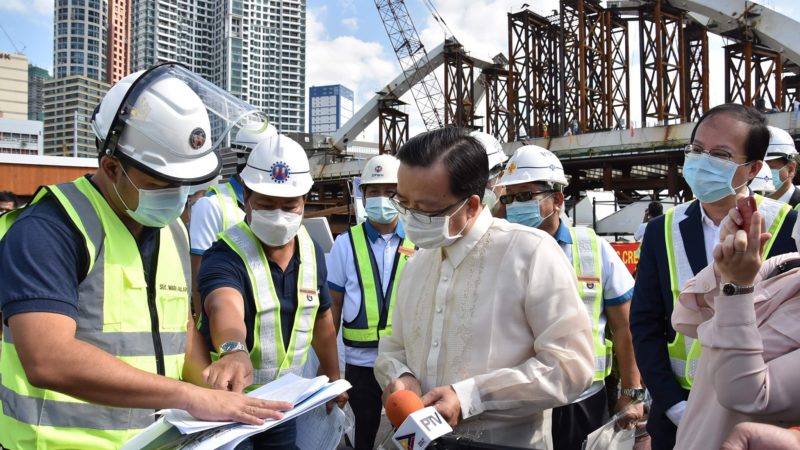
{"x": 692, "y": 149}
{"x": 423, "y": 216}
{"x": 523, "y": 196}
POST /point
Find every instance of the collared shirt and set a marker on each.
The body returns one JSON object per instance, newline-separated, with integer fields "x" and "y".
{"x": 497, "y": 316}
{"x": 751, "y": 350}
{"x": 207, "y": 218}
{"x": 710, "y": 234}
{"x": 616, "y": 280}
{"x": 343, "y": 277}
{"x": 787, "y": 195}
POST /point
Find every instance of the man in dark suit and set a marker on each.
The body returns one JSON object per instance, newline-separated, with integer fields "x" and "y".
{"x": 727, "y": 147}
{"x": 782, "y": 160}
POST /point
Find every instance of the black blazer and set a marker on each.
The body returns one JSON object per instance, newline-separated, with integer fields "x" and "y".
{"x": 795, "y": 198}
{"x": 652, "y": 304}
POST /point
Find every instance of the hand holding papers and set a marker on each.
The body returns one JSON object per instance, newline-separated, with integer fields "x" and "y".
{"x": 178, "y": 429}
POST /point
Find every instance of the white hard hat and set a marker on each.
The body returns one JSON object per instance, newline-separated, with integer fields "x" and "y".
{"x": 762, "y": 182}
{"x": 494, "y": 150}
{"x": 533, "y": 163}
{"x": 781, "y": 144}
{"x": 161, "y": 120}
{"x": 247, "y": 138}
{"x": 278, "y": 167}
{"x": 381, "y": 169}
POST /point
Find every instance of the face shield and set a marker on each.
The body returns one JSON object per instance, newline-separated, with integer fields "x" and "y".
{"x": 171, "y": 122}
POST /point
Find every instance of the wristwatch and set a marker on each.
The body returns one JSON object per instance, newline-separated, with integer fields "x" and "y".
{"x": 634, "y": 393}
{"x": 231, "y": 347}
{"x": 736, "y": 289}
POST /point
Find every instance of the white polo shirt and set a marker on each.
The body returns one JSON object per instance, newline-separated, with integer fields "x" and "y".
{"x": 343, "y": 277}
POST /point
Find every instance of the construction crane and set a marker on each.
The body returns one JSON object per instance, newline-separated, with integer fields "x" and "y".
{"x": 413, "y": 60}
{"x": 11, "y": 40}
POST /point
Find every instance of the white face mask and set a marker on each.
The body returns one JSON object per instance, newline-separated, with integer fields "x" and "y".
{"x": 275, "y": 227}
{"x": 430, "y": 235}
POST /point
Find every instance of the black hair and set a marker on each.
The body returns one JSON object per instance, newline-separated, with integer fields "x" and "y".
{"x": 757, "y": 137}
{"x": 462, "y": 155}
{"x": 7, "y": 196}
{"x": 655, "y": 209}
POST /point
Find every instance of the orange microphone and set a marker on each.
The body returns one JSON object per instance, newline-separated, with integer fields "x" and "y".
{"x": 400, "y": 405}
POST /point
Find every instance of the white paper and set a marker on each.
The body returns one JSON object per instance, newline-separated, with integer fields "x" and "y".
{"x": 320, "y": 430}
{"x": 304, "y": 393}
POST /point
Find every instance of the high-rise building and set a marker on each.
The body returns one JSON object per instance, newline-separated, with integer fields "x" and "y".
{"x": 13, "y": 86}
{"x": 68, "y": 106}
{"x": 253, "y": 48}
{"x": 329, "y": 107}
{"x": 91, "y": 39}
{"x": 20, "y": 137}
{"x": 36, "y": 78}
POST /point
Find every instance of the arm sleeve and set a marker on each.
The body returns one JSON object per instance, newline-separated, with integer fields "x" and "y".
{"x": 337, "y": 276}
{"x": 42, "y": 261}
{"x": 205, "y": 225}
{"x": 734, "y": 347}
{"x": 564, "y": 363}
{"x": 649, "y": 321}
{"x": 391, "y": 361}
{"x": 617, "y": 280}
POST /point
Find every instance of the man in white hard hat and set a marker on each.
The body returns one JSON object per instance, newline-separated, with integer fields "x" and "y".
{"x": 96, "y": 279}
{"x": 497, "y": 158}
{"x": 782, "y": 160}
{"x": 262, "y": 286}
{"x": 366, "y": 263}
{"x": 223, "y": 204}
{"x": 534, "y": 181}
{"x": 488, "y": 324}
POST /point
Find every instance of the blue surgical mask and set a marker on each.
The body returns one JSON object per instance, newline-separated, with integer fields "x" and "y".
{"x": 776, "y": 178}
{"x": 157, "y": 207}
{"x": 710, "y": 178}
{"x": 380, "y": 210}
{"x": 526, "y": 213}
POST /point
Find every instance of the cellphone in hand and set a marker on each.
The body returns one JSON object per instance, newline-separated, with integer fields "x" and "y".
{"x": 746, "y": 207}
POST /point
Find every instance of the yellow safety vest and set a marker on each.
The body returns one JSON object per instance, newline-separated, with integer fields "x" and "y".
{"x": 588, "y": 265}
{"x": 228, "y": 204}
{"x": 684, "y": 351}
{"x": 118, "y": 311}
{"x": 270, "y": 357}
{"x": 374, "y": 320}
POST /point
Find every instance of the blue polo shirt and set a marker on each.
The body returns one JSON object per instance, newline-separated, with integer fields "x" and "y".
{"x": 222, "y": 267}
{"x": 43, "y": 259}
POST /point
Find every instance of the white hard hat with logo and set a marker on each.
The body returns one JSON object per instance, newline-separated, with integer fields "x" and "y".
{"x": 381, "y": 169}
{"x": 168, "y": 121}
{"x": 278, "y": 167}
{"x": 494, "y": 150}
{"x": 533, "y": 163}
{"x": 762, "y": 182}
{"x": 781, "y": 145}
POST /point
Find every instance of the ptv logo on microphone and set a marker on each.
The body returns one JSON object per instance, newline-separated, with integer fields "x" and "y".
{"x": 421, "y": 428}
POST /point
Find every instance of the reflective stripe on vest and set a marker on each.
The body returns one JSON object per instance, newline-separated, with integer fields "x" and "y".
{"x": 588, "y": 266}
{"x": 684, "y": 351}
{"x": 113, "y": 315}
{"x": 269, "y": 356}
{"x": 228, "y": 204}
{"x": 374, "y": 319}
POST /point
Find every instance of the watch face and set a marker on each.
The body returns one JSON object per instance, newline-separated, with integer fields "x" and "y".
{"x": 728, "y": 289}
{"x": 229, "y": 346}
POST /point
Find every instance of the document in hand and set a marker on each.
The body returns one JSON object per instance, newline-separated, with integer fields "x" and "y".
{"x": 177, "y": 429}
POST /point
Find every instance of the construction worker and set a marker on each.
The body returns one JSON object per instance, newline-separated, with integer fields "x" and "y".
{"x": 366, "y": 263}
{"x": 727, "y": 147}
{"x": 497, "y": 158}
{"x": 223, "y": 204}
{"x": 96, "y": 279}
{"x": 782, "y": 160}
{"x": 534, "y": 181}
{"x": 262, "y": 285}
